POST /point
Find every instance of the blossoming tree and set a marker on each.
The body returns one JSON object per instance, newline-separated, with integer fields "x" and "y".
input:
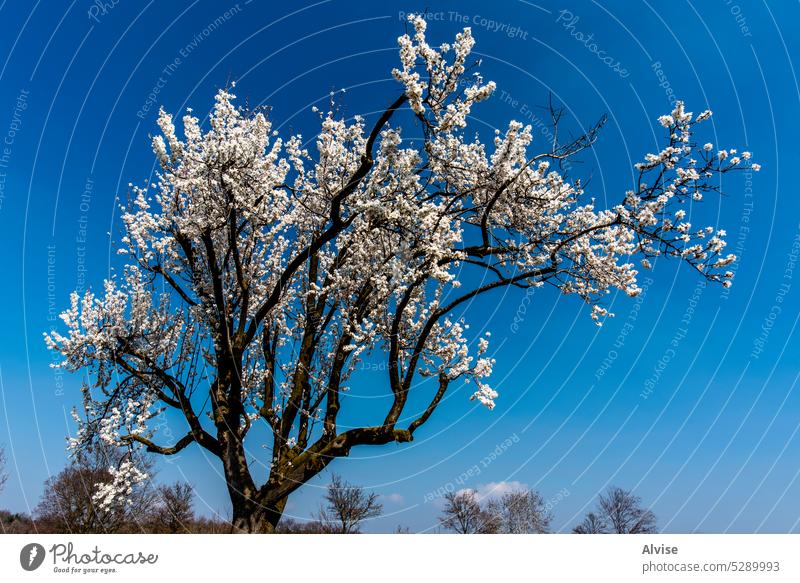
{"x": 260, "y": 273}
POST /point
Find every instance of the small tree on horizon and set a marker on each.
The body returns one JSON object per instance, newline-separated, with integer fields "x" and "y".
{"x": 464, "y": 514}
{"x": 346, "y": 507}
{"x": 260, "y": 271}
{"x": 618, "y": 512}
{"x": 522, "y": 512}
{"x": 591, "y": 524}
{"x": 174, "y": 508}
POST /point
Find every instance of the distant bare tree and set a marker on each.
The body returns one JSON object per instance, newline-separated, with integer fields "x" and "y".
{"x": 174, "y": 511}
{"x": 69, "y": 503}
{"x": 522, "y": 512}
{"x": 347, "y": 506}
{"x": 464, "y": 514}
{"x": 625, "y": 514}
{"x": 592, "y": 524}
{"x": 3, "y": 475}
{"x": 618, "y": 512}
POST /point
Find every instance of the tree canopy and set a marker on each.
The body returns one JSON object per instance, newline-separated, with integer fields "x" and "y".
{"x": 260, "y": 272}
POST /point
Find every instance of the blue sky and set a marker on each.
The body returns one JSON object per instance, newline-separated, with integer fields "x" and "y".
{"x": 689, "y": 396}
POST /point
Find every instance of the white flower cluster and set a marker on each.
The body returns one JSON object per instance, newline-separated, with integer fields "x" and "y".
{"x": 442, "y": 79}
{"x": 123, "y": 480}
{"x": 447, "y": 354}
{"x": 669, "y": 180}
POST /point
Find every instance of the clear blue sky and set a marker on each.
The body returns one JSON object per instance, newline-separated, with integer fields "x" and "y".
{"x": 679, "y": 407}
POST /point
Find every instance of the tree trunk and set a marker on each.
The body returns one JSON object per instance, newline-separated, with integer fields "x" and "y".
{"x": 250, "y": 517}
{"x": 251, "y": 513}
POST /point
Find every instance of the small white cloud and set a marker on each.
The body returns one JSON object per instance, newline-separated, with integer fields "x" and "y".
{"x": 394, "y": 498}
{"x": 497, "y": 489}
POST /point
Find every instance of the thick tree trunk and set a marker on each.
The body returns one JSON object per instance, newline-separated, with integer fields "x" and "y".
{"x": 249, "y": 517}
{"x": 251, "y": 513}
